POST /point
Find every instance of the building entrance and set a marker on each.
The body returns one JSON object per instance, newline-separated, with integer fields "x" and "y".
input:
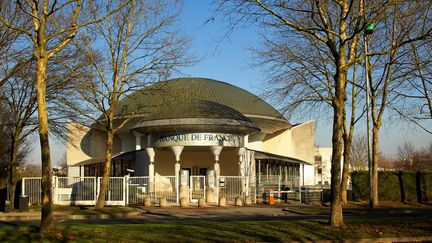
{"x": 197, "y": 184}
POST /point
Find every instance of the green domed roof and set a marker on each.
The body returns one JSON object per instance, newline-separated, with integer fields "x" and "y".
{"x": 184, "y": 90}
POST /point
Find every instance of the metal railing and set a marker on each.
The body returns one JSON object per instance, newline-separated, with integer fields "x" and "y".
{"x": 165, "y": 187}
{"x": 75, "y": 190}
{"x": 138, "y": 189}
{"x": 285, "y": 188}
{"x": 197, "y": 188}
{"x": 133, "y": 190}
{"x": 234, "y": 186}
{"x": 116, "y": 194}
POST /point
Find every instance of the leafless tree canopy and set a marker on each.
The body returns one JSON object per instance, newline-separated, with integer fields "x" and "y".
{"x": 135, "y": 47}
{"x": 359, "y": 153}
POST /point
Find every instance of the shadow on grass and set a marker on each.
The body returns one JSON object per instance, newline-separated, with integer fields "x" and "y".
{"x": 13, "y": 233}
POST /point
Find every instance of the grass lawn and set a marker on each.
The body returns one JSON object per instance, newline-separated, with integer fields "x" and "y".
{"x": 265, "y": 230}
{"x": 315, "y": 209}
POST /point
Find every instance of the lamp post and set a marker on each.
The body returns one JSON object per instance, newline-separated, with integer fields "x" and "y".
{"x": 369, "y": 28}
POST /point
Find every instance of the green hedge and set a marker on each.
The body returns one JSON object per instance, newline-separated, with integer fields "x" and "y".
{"x": 426, "y": 188}
{"x": 404, "y": 186}
{"x": 389, "y": 188}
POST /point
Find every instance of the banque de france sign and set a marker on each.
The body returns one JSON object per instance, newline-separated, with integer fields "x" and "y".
{"x": 197, "y": 139}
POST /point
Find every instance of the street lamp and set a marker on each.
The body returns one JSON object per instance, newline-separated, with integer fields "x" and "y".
{"x": 368, "y": 30}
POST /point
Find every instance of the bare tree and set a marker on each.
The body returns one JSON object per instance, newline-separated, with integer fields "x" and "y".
{"x": 30, "y": 170}
{"x": 423, "y": 158}
{"x": 303, "y": 83}
{"x": 406, "y": 153}
{"x": 333, "y": 27}
{"x": 133, "y": 48}
{"x": 48, "y": 37}
{"x": 19, "y": 96}
{"x": 359, "y": 153}
{"x": 415, "y": 105}
{"x": 402, "y": 23}
{"x": 9, "y": 39}
{"x": 4, "y": 142}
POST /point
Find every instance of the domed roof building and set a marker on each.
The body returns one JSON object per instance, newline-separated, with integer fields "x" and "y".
{"x": 195, "y": 126}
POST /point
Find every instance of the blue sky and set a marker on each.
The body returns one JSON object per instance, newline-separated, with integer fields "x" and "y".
{"x": 230, "y": 61}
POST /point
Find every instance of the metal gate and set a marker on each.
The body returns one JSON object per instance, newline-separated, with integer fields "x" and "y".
{"x": 138, "y": 189}
{"x": 165, "y": 187}
{"x": 197, "y": 188}
{"x": 75, "y": 191}
{"x": 116, "y": 194}
{"x": 233, "y": 186}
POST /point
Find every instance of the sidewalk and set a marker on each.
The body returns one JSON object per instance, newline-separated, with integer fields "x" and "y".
{"x": 162, "y": 214}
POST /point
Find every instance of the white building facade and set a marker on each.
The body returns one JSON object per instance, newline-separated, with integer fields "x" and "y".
{"x": 200, "y": 126}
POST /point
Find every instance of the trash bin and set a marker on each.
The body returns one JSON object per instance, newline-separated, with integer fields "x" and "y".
{"x": 3, "y": 196}
{"x": 23, "y": 203}
{"x": 284, "y": 196}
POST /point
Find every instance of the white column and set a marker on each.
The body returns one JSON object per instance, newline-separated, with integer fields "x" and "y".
{"x": 280, "y": 171}
{"x": 240, "y": 153}
{"x": 302, "y": 175}
{"x": 267, "y": 169}
{"x": 137, "y": 141}
{"x": 259, "y": 171}
{"x": 245, "y": 141}
{"x": 177, "y": 150}
{"x": 151, "y": 154}
{"x": 216, "y": 150}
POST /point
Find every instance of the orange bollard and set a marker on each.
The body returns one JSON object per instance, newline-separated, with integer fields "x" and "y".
{"x": 271, "y": 197}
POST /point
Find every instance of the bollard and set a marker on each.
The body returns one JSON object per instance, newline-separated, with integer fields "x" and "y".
{"x": 201, "y": 202}
{"x": 222, "y": 202}
{"x": 147, "y": 201}
{"x": 238, "y": 201}
{"x": 248, "y": 200}
{"x": 163, "y": 202}
{"x": 260, "y": 200}
{"x": 184, "y": 202}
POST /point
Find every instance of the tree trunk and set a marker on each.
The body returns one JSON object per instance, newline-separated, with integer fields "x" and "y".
{"x": 46, "y": 184}
{"x": 107, "y": 168}
{"x": 336, "y": 217}
{"x": 12, "y": 175}
{"x": 375, "y": 201}
{"x": 345, "y": 170}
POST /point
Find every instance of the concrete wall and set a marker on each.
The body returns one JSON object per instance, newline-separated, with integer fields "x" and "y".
{"x": 303, "y": 141}
{"x": 86, "y": 144}
{"x": 326, "y": 156}
{"x": 309, "y": 175}
{"x": 297, "y": 142}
